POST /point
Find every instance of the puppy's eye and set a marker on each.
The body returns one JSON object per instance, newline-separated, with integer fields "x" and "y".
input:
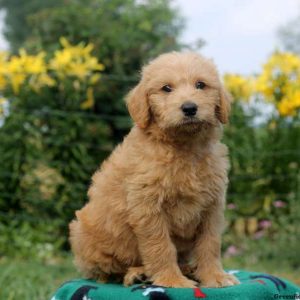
{"x": 167, "y": 88}
{"x": 200, "y": 85}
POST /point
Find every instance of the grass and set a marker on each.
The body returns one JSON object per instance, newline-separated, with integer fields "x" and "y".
{"x": 266, "y": 266}
{"x": 33, "y": 280}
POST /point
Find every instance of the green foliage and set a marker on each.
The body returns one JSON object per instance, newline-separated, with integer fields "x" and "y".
{"x": 48, "y": 159}
{"x": 125, "y": 34}
{"x": 16, "y": 12}
{"x": 122, "y": 31}
{"x": 30, "y": 237}
{"x": 50, "y": 146}
{"x": 264, "y": 190}
{"x": 264, "y": 159}
{"x": 280, "y": 248}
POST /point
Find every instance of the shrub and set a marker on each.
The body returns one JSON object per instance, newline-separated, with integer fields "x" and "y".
{"x": 264, "y": 142}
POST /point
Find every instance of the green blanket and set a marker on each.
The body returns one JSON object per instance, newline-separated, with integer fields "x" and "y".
{"x": 253, "y": 286}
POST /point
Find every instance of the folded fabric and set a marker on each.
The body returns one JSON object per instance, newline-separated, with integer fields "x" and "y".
{"x": 253, "y": 286}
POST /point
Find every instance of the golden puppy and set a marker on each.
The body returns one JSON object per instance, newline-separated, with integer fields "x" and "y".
{"x": 158, "y": 200}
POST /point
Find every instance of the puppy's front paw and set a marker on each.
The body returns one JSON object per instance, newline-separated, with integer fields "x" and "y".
{"x": 175, "y": 281}
{"x": 220, "y": 279}
{"x": 133, "y": 274}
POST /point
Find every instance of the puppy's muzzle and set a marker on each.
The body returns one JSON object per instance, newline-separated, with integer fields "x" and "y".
{"x": 189, "y": 109}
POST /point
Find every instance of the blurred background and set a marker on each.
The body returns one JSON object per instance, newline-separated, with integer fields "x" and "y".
{"x": 65, "y": 67}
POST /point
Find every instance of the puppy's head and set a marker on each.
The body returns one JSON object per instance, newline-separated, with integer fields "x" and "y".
{"x": 179, "y": 91}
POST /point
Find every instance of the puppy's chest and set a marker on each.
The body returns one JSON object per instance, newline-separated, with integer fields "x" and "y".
{"x": 189, "y": 189}
{"x": 186, "y": 194}
{"x": 186, "y": 181}
{"x": 183, "y": 216}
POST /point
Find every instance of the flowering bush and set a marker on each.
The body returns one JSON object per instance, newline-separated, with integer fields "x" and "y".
{"x": 240, "y": 87}
{"x": 278, "y": 83}
{"x": 72, "y": 69}
{"x": 264, "y": 142}
{"x": 48, "y": 143}
{"x": 61, "y": 121}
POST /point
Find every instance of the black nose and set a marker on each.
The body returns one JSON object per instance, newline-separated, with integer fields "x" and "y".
{"x": 189, "y": 109}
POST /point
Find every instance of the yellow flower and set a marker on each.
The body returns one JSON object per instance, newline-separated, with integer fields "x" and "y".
{"x": 15, "y": 65}
{"x": 16, "y": 81}
{"x": 89, "y": 102}
{"x": 75, "y": 60}
{"x": 93, "y": 64}
{"x": 33, "y": 64}
{"x": 79, "y": 70}
{"x": 280, "y": 71}
{"x": 286, "y": 62}
{"x": 290, "y": 103}
{"x": 45, "y": 80}
{"x": 61, "y": 60}
{"x": 19, "y": 68}
{"x": 94, "y": 79}
{"x": 240, "y": 87}
{"x": 35, "y": 72}
{"x": 264, "y": 86}
{"x": 39, "y": 81}
{"x": 30, "y": 64}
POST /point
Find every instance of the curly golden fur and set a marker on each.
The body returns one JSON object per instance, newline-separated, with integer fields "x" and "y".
{"x": 156, "y": 204}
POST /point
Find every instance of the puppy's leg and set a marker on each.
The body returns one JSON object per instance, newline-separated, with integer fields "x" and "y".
{"x": 187, "y": 270}
{"x": 132, "y": 274}
{"x": 207, "y": 252}
{"x": 184, "y": 262}
{"x": 155, "y": 246}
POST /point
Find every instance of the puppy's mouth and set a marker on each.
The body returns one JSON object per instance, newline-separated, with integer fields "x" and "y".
{"x": 192, "y": 125}
{"x": 194, "y": 122}
{"x": 190, "y": 121}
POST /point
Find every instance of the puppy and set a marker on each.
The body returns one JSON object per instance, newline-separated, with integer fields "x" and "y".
{"x": 156, "y": 204}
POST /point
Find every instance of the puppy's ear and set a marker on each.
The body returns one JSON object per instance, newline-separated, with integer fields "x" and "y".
{"x": 138, "y": 106}
{"x": 223, "y": 109}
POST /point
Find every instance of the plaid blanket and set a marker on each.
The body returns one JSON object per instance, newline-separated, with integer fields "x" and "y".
{"x": 253, "y": 286}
